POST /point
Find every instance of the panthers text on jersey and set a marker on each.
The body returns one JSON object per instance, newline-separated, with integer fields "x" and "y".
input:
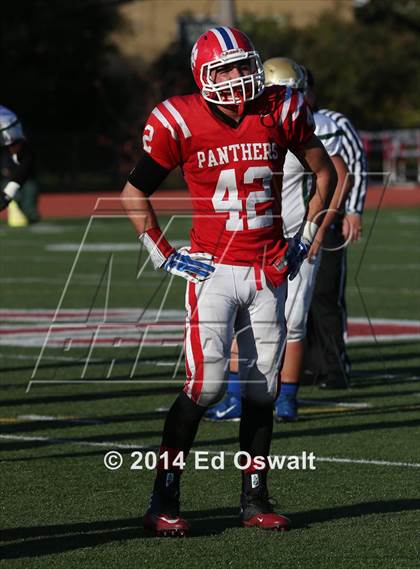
{"x": 233, "y": 171}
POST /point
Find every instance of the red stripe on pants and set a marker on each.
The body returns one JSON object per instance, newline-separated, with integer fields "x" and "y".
{"x": 197, "y": 350}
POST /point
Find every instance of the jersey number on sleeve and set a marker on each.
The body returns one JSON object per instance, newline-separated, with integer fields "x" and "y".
{"x": 225, "y": 198}
{"x": 149, "y": 131}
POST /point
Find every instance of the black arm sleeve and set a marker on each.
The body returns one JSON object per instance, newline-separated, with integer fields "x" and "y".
{"x": 20, "y": 167}
{"x": 147, "y": 175}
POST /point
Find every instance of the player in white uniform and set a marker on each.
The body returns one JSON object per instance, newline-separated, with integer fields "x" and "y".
{"x": 296, "y": 191}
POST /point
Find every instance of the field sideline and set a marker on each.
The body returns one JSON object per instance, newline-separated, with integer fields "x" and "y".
{"x": 61, "y": 507}
{"x": 83, "y": 204}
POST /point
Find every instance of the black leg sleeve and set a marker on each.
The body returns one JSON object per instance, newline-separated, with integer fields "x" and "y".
{"x": 181, "y": 423}
{"x": 256, "y": 428}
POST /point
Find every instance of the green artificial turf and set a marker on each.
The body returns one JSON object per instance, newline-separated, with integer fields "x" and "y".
{"x": 60, "y": 506}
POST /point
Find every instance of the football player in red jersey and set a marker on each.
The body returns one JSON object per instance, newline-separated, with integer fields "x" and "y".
{"x": 231, "y": 140}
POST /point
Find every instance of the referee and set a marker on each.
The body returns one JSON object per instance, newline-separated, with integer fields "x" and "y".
{"x": 326, "y": 358}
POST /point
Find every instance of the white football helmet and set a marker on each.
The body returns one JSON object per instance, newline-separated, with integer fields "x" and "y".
{"x": 10, "y": 127}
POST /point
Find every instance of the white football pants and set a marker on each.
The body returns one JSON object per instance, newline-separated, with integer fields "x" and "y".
{"x": 238, "y": 300}
{"x": 299, "y": 298}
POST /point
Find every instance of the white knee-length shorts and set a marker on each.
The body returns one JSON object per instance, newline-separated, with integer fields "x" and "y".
{"x": 235, "y": 300}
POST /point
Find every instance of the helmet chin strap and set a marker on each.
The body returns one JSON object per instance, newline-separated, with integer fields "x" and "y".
{"x": 241, "y": 107}
{"x": 238, "y": 107}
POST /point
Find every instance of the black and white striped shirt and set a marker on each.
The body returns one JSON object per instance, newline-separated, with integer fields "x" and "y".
{"x": 355, "y": 158}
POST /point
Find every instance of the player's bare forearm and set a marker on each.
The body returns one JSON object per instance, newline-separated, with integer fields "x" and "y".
{"x": 317, "y": 160}
{"x": 340, "y": 193}
{"x": 138, "y": 208}
{"x": 194, "y": 267}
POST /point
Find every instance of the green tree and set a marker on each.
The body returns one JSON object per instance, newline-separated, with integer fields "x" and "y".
{"x": 367, "y": 69}
{"x": 55, "y": 59}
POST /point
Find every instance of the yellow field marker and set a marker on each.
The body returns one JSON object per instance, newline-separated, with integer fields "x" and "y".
{"x": 15, "y": 216}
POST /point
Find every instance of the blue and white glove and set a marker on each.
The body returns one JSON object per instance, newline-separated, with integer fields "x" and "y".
{"x": 295, "y": 255}
{"x": 298, "y": 249}
{"x": 194, "y": 267}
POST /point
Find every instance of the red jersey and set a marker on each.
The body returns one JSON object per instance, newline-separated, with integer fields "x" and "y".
{"x": 229, "y": 169}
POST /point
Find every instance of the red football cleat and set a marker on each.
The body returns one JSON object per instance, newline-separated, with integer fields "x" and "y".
{"x": 162, "y": 519}
{"x": 165, "y": 525}
{"x": 257, "y": 511}
{"x": 271, "y": 521}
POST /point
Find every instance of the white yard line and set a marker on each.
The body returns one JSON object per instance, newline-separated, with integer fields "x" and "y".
{"x": 366, "y": 461}
{"x": 105, "y": 247}
{"x": 80, "y": 280}
{"x": 344, "y": 405}
{"x": 71, "y": 420}
{"x": 111, "y": 445}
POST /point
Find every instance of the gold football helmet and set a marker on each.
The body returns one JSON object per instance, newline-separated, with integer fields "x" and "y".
{"x": 284, "y": 71}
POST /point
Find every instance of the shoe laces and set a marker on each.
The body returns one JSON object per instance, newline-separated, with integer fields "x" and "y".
{"x": 262, "y": 501}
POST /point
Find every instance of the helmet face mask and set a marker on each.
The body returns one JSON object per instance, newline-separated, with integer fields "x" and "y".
{"x": 209, "y": 56}
{"x": 231, "y": 91}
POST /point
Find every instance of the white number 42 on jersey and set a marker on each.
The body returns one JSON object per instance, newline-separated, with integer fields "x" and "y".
{"x": 225, "y": 198}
